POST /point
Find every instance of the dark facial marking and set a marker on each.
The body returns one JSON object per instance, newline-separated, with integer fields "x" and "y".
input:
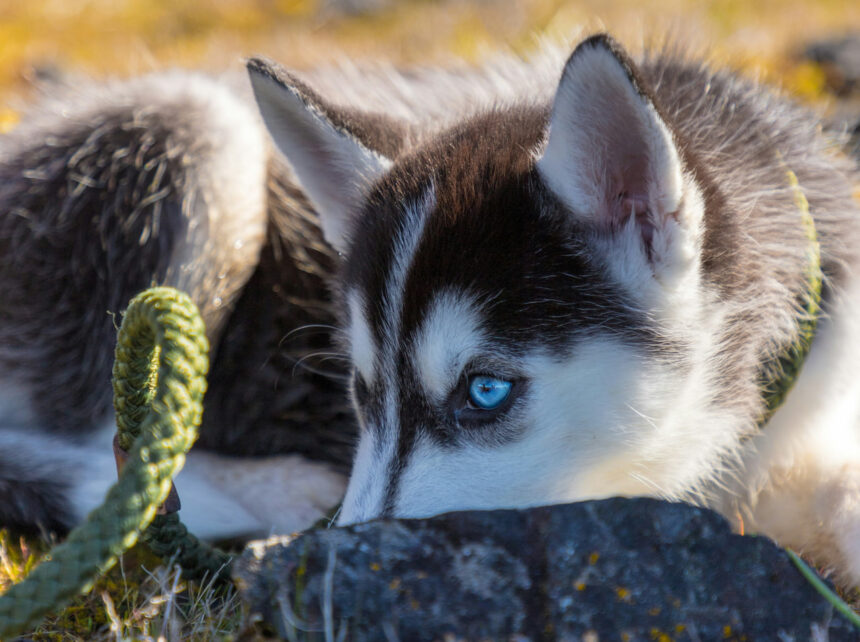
{"x": 495, "y": 233}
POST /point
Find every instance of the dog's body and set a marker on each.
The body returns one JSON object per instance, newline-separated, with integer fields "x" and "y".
{"x": 550, "y": 292}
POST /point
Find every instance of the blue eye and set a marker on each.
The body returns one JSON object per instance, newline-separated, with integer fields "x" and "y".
{"x": 488, "y": 393}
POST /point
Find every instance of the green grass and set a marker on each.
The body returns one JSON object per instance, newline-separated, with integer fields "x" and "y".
{"x": 139, "y": 599}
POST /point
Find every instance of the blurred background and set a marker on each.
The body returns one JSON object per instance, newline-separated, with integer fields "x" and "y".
{"x": 769, "y": 38}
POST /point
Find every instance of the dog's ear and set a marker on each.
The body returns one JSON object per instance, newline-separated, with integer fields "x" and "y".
{"x": 336, "y": 153}
{"x": 610, "y": 157}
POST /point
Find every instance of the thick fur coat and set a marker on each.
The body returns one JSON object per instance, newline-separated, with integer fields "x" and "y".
{"x": 616, "y": 241}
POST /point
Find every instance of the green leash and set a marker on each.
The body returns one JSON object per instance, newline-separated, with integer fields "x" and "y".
{"x": 782, "y": 372}
{"x": 159, "y": 382}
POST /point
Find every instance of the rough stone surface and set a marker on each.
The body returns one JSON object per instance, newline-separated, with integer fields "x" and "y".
{"x": 615, "y": 569}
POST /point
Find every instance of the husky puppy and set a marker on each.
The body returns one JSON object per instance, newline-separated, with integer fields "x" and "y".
{"x": 577, "y": 290}
{"x": 558, "y": 282}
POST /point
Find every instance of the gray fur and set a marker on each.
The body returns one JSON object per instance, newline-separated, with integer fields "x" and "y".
{"x": 757, "y": 248}
{"x": 97, "y": 203}
{"x": 35, "y": 482}
{"x": 104, "y": 191}
{"x": 108, "y": 188}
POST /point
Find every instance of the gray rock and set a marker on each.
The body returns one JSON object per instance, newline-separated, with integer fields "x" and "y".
{"x": 615, "y": 569}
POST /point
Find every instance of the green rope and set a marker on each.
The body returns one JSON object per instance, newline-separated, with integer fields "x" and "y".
{"x": 783, "y": 371}
{"x": 159, "y": 382}
{"x": 168, "y": 538}
{"x": 137, "y": 369}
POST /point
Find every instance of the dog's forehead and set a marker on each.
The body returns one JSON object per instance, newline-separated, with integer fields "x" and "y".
{"x": 468, "y": 218}
{"x": 464, "y": 190}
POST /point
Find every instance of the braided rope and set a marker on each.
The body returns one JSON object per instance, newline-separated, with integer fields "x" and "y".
{"x": 781, "y": 373}
{"x": 159, "y": 382}
{"x": 168, "y": 538}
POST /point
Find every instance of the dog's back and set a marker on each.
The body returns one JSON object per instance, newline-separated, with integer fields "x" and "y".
{"x": 106, "y": 190}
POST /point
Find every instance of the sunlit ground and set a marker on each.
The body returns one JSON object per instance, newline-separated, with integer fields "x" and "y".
{"x": 125, "y": 37}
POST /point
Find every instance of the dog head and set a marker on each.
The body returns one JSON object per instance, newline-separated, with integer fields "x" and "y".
{"x": 511, "y": 288}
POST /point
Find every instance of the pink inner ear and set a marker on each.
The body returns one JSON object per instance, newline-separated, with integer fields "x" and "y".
{"x": 636, "y": 205}
{"x": 609, "y": 155}
{"x": 627, "y": 186}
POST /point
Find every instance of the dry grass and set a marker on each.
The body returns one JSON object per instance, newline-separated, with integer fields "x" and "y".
{"x": 131, "y": 36}
{"x": 124, "y": 37}
{"x": 139, "y": 599}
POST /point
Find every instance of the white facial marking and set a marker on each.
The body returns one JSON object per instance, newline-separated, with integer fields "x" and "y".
{"x": 407, "y": 237}
{"x": 368, "y": 483}
{"x": 365, "y": 495}
{"x": 362, "y": 345}
{"x": 592, "y": 425}
{"x": 564, "y": 415}
{"x": 448, "y": 338}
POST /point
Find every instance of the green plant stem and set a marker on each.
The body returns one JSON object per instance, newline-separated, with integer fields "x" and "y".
{"x": 837, "y": 602}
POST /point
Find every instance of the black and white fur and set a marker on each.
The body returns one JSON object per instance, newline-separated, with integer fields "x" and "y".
{"x": 106, "y": 190}
{"x": 170, "y": 178}
{"x": 623, "y": 245}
